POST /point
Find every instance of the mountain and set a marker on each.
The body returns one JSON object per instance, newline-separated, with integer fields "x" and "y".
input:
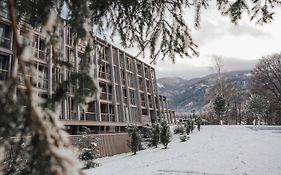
{"x": 188, "y": 95}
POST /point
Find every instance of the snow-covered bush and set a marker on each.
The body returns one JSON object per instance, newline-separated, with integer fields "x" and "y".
{"x": 155, "y": 137}
{"x": 165, "y": 134}
{"x": 179, "y": 129}
{"x": 146, "y": 136}
{"x": 184, "y": 138}
{"x": 88, "y": 150}
{"x": 135, "y": 139}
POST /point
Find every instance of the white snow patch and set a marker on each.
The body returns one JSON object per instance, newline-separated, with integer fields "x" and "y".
{"x": 160, "y": 85}
{"x": 230, "y": 150}
{"x": 203, "y": 85}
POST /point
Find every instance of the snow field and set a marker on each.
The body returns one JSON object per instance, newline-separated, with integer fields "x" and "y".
{"x": 214, "y": 150}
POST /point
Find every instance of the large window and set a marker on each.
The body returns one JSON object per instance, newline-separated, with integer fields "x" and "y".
{"x": 4, "y": 11}
{"x": 106, "y": 91}
{"x": 39, "y": 47}
{"x": 4, "y": 67}
{"x": 69, "y": 36}
{"x": 43, "y": 76}
{"x": 133, "y": 98}
{"x": 5, "y": 36}
{"x": 91, "y": 111}
{"x": 104, "y": 70}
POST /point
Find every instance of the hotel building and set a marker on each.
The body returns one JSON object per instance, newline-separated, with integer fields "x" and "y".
{"x": 128, "y": 86}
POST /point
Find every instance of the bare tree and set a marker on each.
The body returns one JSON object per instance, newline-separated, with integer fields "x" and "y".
{"x": 266, "y": 79}
{"x": 218, "y": 65}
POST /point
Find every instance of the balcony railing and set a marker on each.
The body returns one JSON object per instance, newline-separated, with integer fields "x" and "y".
{"x": 73, "y": 115}
{"x": 42, "y": 55}
{"x": 142, "y": 103}
{"x": 104, "y": 117}
{"x": 104, "y": 75}
{"x": 91, "y": 116}
{"x": 5, "y": 42}
{"x": 3, "y": 74}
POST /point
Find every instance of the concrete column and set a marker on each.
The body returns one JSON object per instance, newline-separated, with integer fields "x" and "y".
{"x": 138, "y": 91}
{"x": 64, "y": 103}
{"x": 78, "y": 112}
{"x": 129, "y": 120}
{"x": 50, "y": 72}
{"x": 113, "y": 84}
{"x": 145, "y": 91}
{"x": 158, "y": 106}
{"x": 119, "y": 90}
{"x": 153, "y": 94}
{"x": 96, "y": 76}
{"x": 166, "y": 109}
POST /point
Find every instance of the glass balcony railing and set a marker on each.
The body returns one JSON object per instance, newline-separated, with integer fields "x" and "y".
{"x": 5, "y": 42}
{"x": 3, "y": 74}
{"x": 91, "y": 116}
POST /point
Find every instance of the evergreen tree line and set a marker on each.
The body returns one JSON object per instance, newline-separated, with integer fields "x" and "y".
{"x": 260, "y": 105}
{"x": 149, "y": 136}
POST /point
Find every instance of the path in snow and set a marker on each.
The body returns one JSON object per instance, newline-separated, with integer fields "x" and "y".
{"x": 213, "y": 150}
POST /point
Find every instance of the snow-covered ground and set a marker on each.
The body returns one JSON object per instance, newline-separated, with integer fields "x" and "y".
{"x": 213, "y": 150}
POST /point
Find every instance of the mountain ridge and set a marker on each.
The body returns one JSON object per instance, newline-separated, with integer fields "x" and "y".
{"x": 191, "y": 95}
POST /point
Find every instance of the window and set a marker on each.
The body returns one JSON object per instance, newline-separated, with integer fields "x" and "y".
{"x": 130, "y": 80}
{"x": 38, "y": 47}
{"x": 91, "y": 111}
{"x": 70, "y": 55}
{"x": 4, "y": 11}
{"x": 104, "y": 70}
{"x": 146, "y": 72}
{"x": 142, "y": 100}
{"x": 132, "y": 97}
{"x": 139, "y": 69}
{"x": 148, "y": 86}
{"x": 4, "y": 67}
{"x": 121, "y": 59}
{"x": 69, "y": 36}
{"x": 141, "y": 86}
{"x": 100, "y": 52}
{"x": 125, "y": 96}
{"x": 106, "y": 91}
{"x": 114, "y": 55}
{"x": 5, "y": 36}
{"x": 43, "y": 76}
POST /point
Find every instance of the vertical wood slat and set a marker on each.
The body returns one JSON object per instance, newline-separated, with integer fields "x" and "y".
{"x": 107, "y": 144}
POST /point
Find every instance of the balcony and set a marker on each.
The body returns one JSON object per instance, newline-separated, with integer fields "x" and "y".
{"x": 104, "y": 75}
{"x": 91, "y": 116}
{"x": 5, "y": 42}
{"x": 104, "y": 117}
{"x": 41, "y": 55}
{"x": 3, "y": 74}
{"x": 73, "y": 115}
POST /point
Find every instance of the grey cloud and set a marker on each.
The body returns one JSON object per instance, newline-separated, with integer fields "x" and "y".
{"x": 189, "y": 71}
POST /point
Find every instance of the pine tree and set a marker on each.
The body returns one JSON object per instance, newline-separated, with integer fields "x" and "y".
{"x": 88, "y": 150}
{"x": 188, "y": 127}
{"x": 165, "y": 134}
{"x": 135, "y": 140}
{"x": 155, "y": 135}
{"x": 219, "y": 106}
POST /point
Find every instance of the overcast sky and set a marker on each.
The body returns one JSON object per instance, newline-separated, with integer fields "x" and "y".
{"x": 240, "y": 46}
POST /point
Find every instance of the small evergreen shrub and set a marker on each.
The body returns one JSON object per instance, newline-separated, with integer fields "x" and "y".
{"x": 155, "y": 135}
{"x": 165, "y": 134}
{"x": 135, "y": 140}
{"x": 88, "y": 150}
{"x": 179, "y": 129}
{"x": 184, "y": 138}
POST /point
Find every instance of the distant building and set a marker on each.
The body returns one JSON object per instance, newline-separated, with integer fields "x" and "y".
{"x": 128, "y": 95}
